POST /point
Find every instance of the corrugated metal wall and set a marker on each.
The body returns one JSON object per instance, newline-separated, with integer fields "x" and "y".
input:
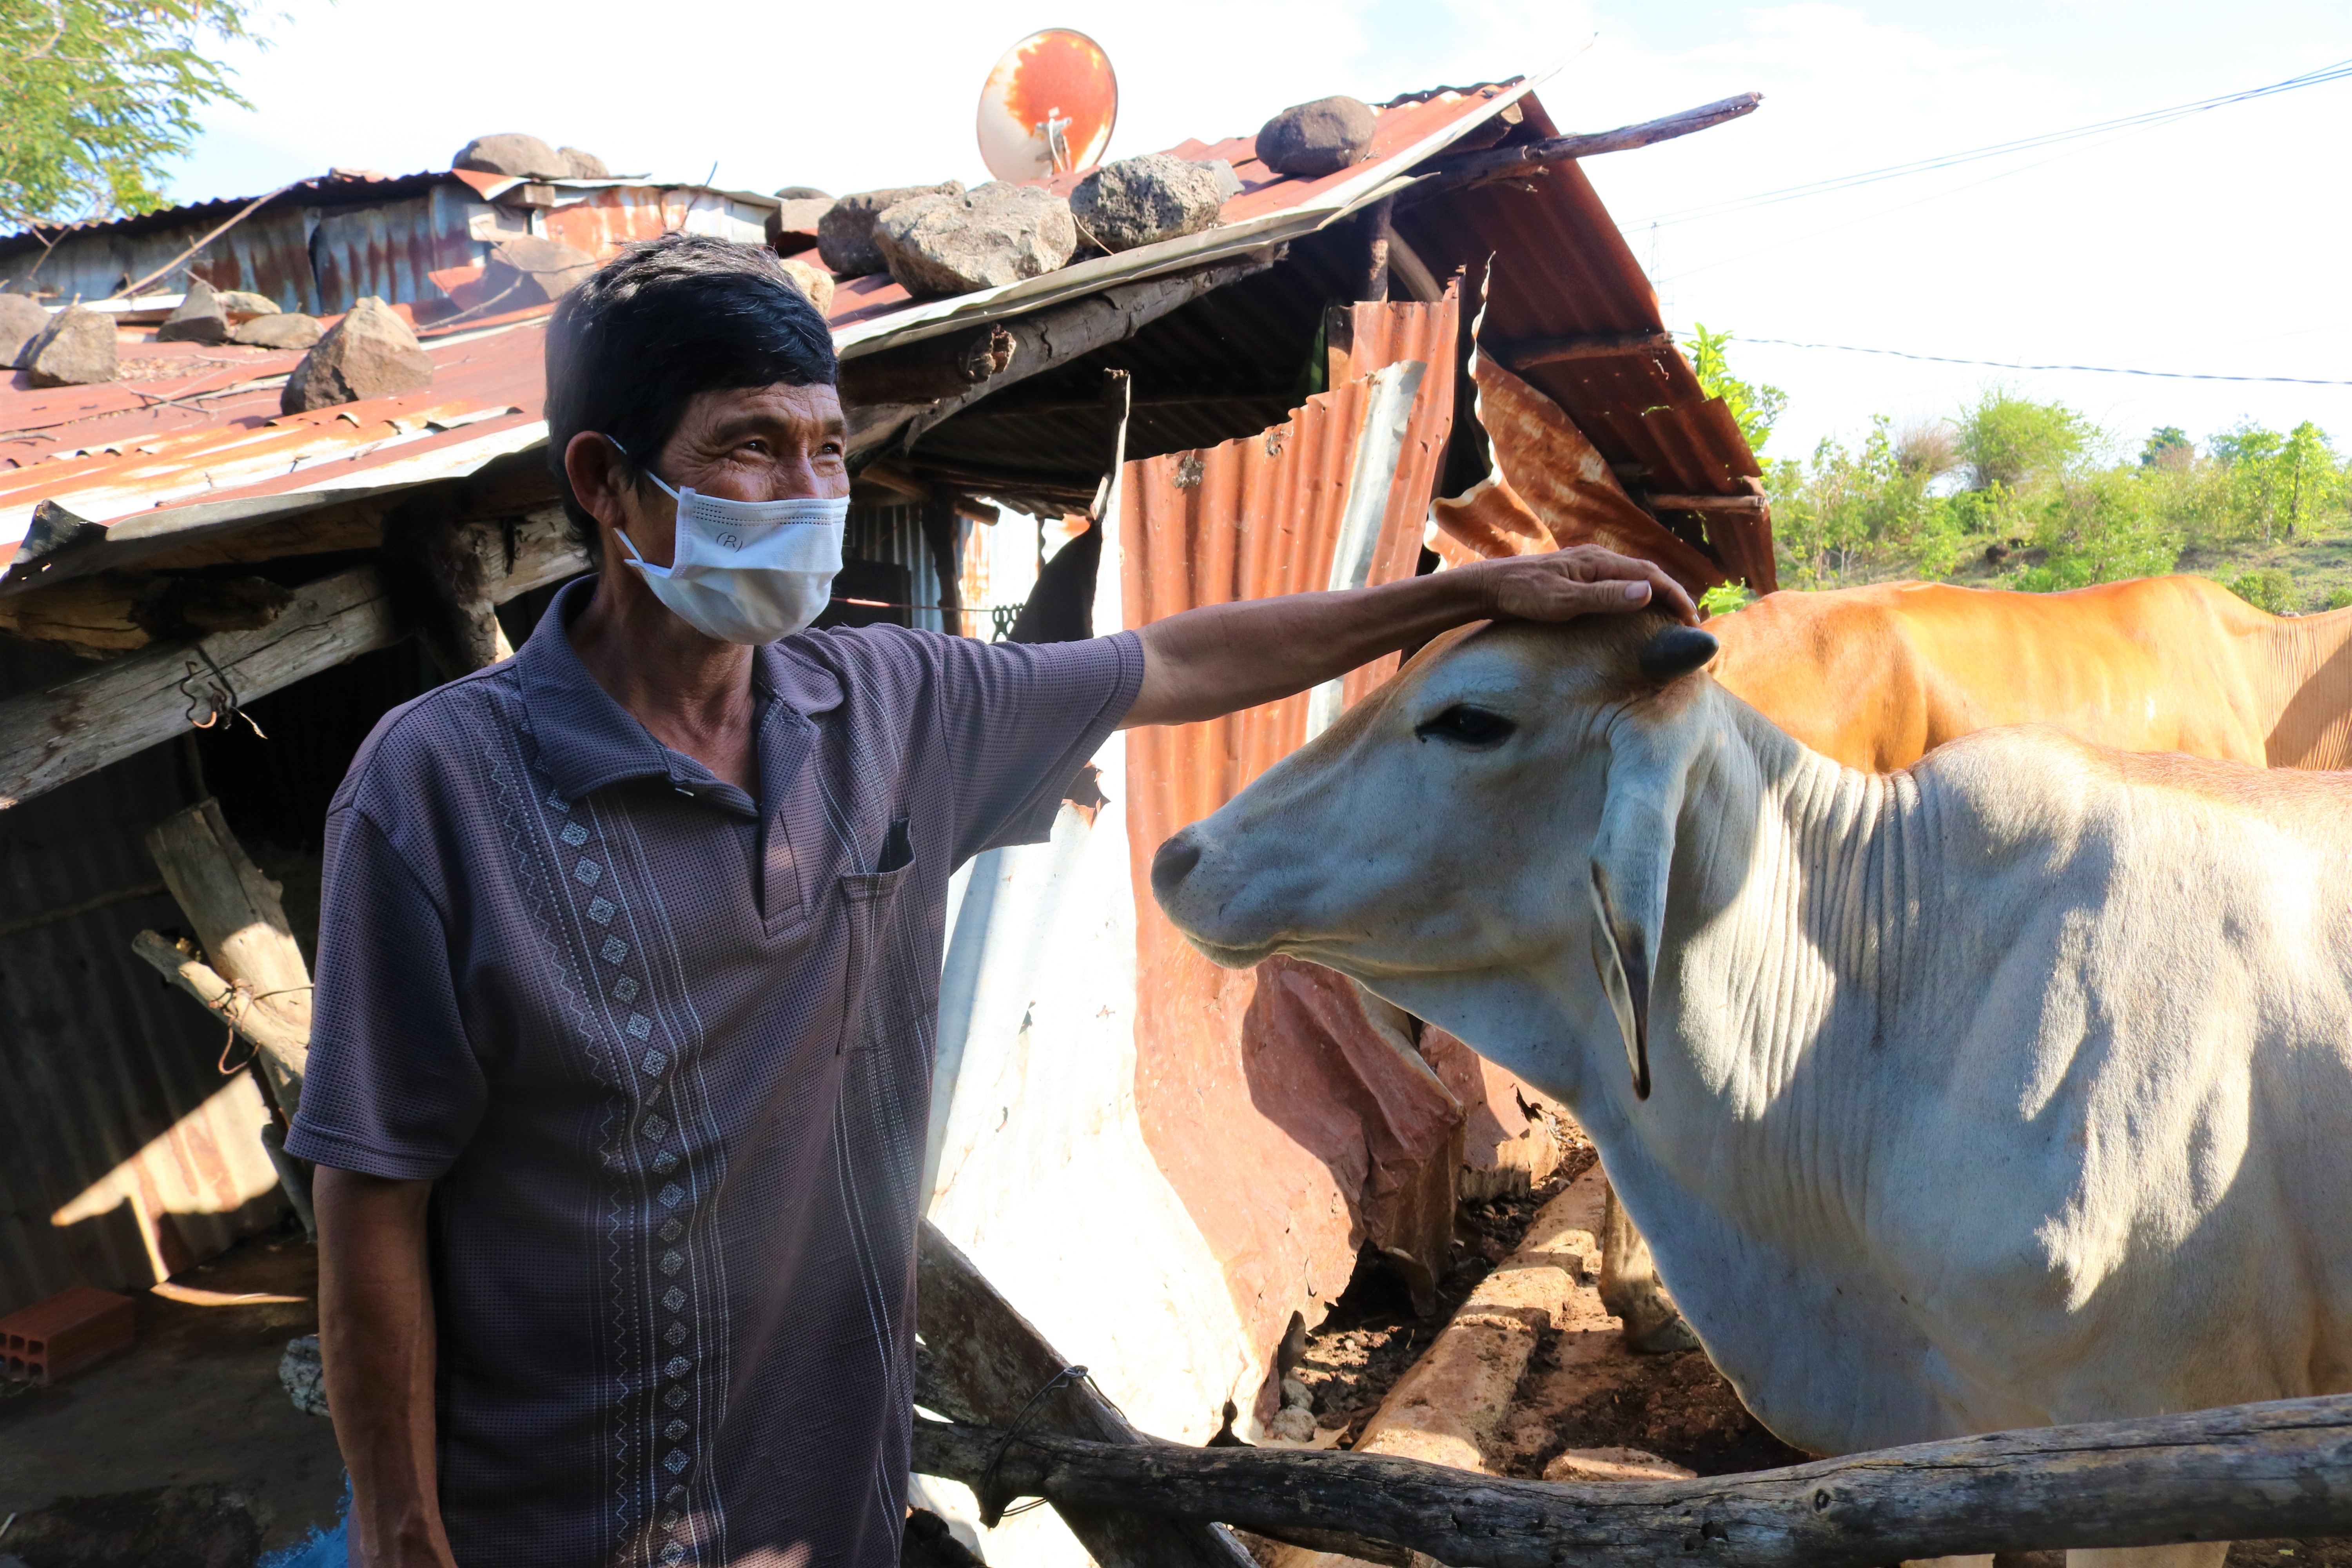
{"x": 1292, "y": 1125}
{"x": 894, "y": 534}
{"x": 113, "y": 1117}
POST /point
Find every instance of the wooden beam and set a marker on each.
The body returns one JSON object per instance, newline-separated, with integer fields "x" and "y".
{"x": 1708, "y": 503}
{"x": 927, "y": 371}
{"x": 987, "y": 1360}
{"x": 1523, "y": 353}
{"x": 52, "y": 737}
{"x": 1502, "y": 162}
{"x": 2277, "y": 1469}
{"x": 1379, "y": 226}
{"x": 1055, "y": 337}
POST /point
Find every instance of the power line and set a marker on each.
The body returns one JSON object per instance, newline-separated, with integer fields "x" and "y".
{"x": 2146, "y": 119}
{"x": 2006, "y": 364}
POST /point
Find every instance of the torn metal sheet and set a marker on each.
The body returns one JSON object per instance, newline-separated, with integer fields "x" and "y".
{"x": 1551, "y": 488}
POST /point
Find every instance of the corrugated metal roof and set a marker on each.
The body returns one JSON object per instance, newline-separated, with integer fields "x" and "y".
{"x": 1290, "y": 1127}
{"x": 202, "y": 422}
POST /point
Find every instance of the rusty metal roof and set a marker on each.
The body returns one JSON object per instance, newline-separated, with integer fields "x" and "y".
{"x": 191, "y": 437}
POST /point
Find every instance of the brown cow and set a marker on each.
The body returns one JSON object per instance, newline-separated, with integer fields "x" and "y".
{"x": 1876, "y": 678}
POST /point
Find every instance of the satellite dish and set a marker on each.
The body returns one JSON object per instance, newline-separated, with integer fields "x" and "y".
{"x": 1048, "y": 107}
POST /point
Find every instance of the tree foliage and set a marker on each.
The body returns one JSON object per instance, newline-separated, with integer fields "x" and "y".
{"x": 1756, "y": 408}
{"x": 2029, "y": 495}
{"x": 96, "y": 95}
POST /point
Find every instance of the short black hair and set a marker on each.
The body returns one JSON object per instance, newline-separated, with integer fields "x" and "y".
{"x": 659, "y": 323}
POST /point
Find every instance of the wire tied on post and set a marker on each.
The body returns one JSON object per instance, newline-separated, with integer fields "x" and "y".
{"x": 991, "y": 1512}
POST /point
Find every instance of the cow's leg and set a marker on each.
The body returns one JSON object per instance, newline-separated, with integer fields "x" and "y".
{"x": 1983, "y": 1561}
{"x": 1631, "y": 1288}
{"x": 2193, "y": 1554}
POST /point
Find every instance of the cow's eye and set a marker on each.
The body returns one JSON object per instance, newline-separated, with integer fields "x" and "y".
{"x": 1463, "y": 725}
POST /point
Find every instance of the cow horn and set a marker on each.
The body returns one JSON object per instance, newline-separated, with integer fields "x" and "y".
{"x": 1675, "y": 651}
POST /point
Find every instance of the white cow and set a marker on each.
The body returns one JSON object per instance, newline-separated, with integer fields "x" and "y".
{"x": 2010, "y": 1090}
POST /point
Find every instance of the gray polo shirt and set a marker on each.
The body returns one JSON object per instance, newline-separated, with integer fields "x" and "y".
{"x": 664, "y": 1051}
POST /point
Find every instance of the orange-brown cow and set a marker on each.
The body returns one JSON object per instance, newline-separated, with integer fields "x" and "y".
{"x": 1876, "y": 678}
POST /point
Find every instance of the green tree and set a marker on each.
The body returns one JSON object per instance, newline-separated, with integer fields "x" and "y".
{"x": 96, "y": 95}
{"x": 2012, "y": 441}
{"x": 2099, "y": 527}
{"x": 1756, "y": 408}
{"x": 2167, "y": 448}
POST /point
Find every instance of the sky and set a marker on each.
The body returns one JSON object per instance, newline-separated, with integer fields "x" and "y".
{"x": 2216, "y": 244}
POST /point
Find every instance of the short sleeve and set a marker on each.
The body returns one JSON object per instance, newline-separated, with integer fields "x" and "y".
{"x": 393, "y": 1087}
{"x": 1021, "y": 719}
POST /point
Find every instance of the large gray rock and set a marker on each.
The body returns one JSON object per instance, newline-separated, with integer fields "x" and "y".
{"x": 1137, "y": 201}
{"x": 289, "y": 330}
{"x": 1318, "y": 137}
{"x": 242, "y": 306}
{"x": 76, "y": 349}
{"x": 512, "y": 152}
{"x": 584, "y": 166}
{"x": 370, "y": 353}
{"x": 200, "y": 318}
{"x": 997, "y": 235}
{"x": 22, "y": 319}
{"x": 531, "y": 271}
{"x": 844, "y": 236}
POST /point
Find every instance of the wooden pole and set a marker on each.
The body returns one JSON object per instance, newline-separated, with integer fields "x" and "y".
{"x": 985, "y": 1358}
{"x": 1379, "y": 226}
{"x": 1520, "y": 353}
{"x": 1501, "y": 162}
{"x": 2283, "y": 1468}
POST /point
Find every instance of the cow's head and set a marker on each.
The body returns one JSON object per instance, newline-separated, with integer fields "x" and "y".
{"x": 1506, "y": 804}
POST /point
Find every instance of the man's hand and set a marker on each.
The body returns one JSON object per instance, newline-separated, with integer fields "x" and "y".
{"x": 1219, "y": 657}
{"x": 1581, "y": 580}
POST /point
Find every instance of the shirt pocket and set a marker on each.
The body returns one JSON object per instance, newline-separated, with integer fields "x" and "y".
{"x": 869, "y": 898}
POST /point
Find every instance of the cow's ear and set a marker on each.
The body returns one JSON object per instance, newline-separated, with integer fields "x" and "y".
{"x": 1675, "y": 651}
{"x": 1631, "y": 858}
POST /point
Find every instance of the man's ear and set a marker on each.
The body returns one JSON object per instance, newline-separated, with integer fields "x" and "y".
{"x": 1632, "y": 856}
{"x": 597, "y": 476}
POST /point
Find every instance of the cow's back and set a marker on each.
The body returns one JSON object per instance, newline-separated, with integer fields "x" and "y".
{"x": 1876, "y": 677}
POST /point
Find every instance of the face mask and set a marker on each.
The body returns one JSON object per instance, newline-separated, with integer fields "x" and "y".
{"x": 747, "y": 571}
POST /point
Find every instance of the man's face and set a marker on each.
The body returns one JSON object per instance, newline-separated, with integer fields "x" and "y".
{"x": 755, "y": 444}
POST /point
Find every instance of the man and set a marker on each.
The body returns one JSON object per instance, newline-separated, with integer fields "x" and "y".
{"x": 629, "y": 966}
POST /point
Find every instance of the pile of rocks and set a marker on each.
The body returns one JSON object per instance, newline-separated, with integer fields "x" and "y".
{"x": 522, "y": 157}
{"x": 206, "y": 315}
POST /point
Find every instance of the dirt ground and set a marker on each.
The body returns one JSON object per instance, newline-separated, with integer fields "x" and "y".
{"x": 1585, "y": 1390}
{"x": 182, "y": 1451}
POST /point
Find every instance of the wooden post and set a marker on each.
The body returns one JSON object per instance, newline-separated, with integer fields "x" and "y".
{"x": 239, "y": 919}
{"x": 1378, "y": 221}
{"x": 2283, "y": 1468}
{"x": 991, "y": 1362}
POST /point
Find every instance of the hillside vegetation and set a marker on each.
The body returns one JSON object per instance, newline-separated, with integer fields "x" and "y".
{"x": 2013, "y": 493}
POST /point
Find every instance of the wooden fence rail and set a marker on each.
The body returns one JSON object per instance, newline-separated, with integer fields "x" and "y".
{"x": 2283, "y": 1468}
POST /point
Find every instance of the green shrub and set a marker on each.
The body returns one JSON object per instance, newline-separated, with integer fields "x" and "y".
{"x": 2337, "y": 598}
{"x": 1724, "y": 599}
{"x": 2268, "y": 589}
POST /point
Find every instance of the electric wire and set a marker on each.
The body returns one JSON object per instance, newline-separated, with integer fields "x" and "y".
{"x": 2144, "y": 120}
{"x": 2008, "y": 364}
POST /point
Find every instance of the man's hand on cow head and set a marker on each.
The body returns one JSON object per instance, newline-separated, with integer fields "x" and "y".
{"x": 1581, "y": 580}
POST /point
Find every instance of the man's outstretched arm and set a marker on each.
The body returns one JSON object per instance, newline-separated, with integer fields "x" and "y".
{"x": 1222, "y": 657}
{"x": 375, "y": 1336}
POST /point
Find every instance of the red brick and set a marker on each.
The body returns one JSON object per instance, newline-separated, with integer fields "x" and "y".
{"x": 73, "y": 1328}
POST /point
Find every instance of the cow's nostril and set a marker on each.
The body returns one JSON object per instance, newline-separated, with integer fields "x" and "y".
{"x": 1174, "y": 863}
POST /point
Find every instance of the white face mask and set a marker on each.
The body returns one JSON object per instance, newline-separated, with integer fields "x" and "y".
{"x": 747, "y": 571}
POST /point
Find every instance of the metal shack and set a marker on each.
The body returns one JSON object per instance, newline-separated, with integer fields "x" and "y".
{"x": 1159, "y": 1162}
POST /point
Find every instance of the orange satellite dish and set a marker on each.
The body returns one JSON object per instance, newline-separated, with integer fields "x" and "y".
{"x": 1048, "y": 107}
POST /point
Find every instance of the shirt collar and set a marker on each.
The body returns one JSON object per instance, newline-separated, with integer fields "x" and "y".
{"x": 587, "y": 740}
